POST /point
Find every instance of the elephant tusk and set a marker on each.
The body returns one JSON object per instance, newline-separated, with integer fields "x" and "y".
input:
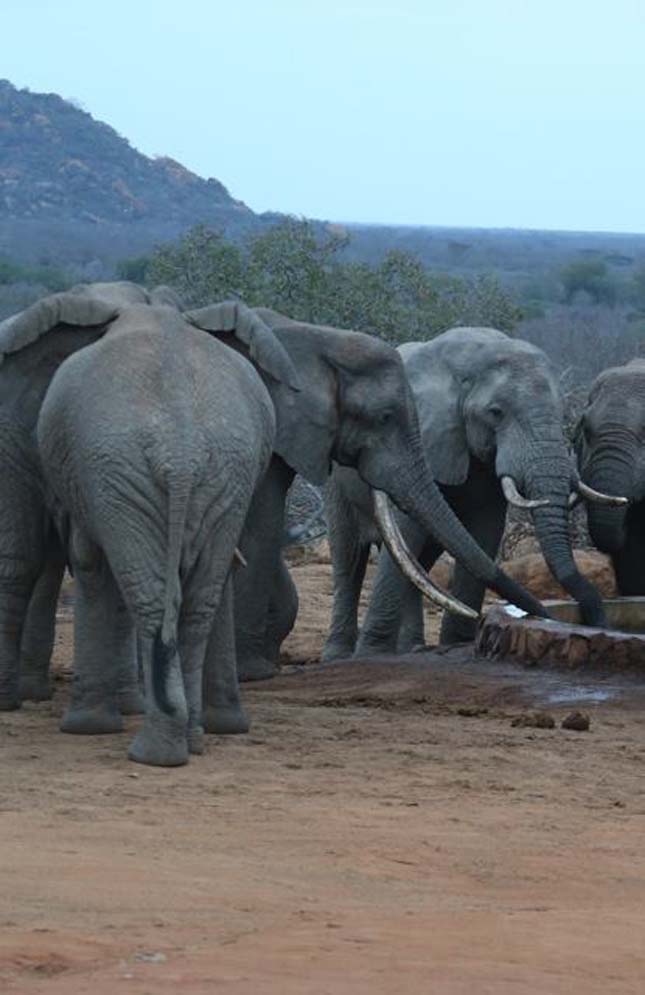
{"x": 514, "y": 497}
{"x": 589, "y": 494}
{"x": 574, "y": 499}
{"x": 240, "y": 557}
{"x": 407, "y": 563}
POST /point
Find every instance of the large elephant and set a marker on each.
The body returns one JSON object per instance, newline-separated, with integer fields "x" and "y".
{"x": 610, "y": 446}
{"x": 355, "y": 408}
{"x": 152, "y": 441}
{"x": 491, "y": 419}
{"x": 31, "y": 560}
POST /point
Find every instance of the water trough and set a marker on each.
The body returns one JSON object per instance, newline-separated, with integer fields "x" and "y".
{"x": 562, "y": 641}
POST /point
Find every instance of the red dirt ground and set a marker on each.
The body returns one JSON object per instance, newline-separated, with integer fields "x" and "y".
{"x": 384, "y": 829}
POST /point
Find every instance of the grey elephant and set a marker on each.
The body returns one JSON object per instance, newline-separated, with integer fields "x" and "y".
{"x": 610, "y": 447}
{"x": 152, "y": 441}
{"x": 355, "y": 408}
{"x": 30, "y": 553}
{"x": 491, "y": 421}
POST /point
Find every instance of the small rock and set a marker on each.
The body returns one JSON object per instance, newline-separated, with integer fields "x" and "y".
{"x": 151, "y": 957}
{"x": 471, "y": 711}
{"x": 535, "y": 720}
{"x": 579, "y": 721}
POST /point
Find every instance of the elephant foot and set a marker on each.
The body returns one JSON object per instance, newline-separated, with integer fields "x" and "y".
{"x": 365, "y": 648}
{"x": 337, "y": 650}
{"x": 130, "y": 702}
{"x": 34, "y": 687}
{"x": 256, "y": 668}
{"x": 455, "y": 636}
{"x": 9, "y": 702}
{"x": 226, "y": 721}
{"x": 196, "y": 740}
{"x": 151, "y": 747}
{"x": 96, "y": 721}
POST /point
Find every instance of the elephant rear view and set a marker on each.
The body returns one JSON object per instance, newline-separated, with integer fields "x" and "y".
{"x": 152, "y": 441}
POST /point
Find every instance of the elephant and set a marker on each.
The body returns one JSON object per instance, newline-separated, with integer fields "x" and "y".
{"x": 355, "y": 409}
{"x": 609, "y": 441}
{"x": 491, "y": 417}
{"x": 152, "y": 442}
{"x": 31, "y": 558}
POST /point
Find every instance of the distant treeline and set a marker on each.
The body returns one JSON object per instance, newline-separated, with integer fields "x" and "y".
{"x": 587, "y": 314}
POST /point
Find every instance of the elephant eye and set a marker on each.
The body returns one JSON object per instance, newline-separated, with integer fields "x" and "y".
{"x": 496, "y": 412}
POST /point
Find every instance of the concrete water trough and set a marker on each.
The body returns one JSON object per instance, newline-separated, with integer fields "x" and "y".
{"x": 505, "y": 634}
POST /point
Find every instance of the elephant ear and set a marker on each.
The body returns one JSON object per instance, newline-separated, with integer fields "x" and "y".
{"x": 438, "y": 395}
{"x": 37, "y": 321}
{"x": 263, "y": 348}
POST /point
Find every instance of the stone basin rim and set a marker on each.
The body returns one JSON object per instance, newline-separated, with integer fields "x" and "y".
{"x": 611, "y": 605}
{"x": 533, "y": 641}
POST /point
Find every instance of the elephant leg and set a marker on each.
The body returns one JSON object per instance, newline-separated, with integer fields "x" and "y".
{"x": 283, "y": 610}
{"x": 193, "y": 639}
{"x": 37, "y": 643}
{"x": 223, "y": 712}
{"x": 629, "y": 562}
{"x": 23, "y": 548}
{"x": 162, "y": 740}
{"x": 260, "y": 543}
{"x": 485, "y": 521}
{"x": 412, "y": 629}
{"x": 14, "y": 604}
{"x": 104, "y": 645}
{"x": 349, "y": 556}
{"x": 380, "y": 630}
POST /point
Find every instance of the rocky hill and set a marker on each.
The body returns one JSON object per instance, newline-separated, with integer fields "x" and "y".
{"x": 59, "y": 165}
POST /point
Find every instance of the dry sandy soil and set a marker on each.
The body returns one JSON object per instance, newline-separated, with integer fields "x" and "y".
{"x": 384, "y": 829}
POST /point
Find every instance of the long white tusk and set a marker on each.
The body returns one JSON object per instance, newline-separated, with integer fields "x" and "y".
{"x": 239, "y": 556}
{"x": 407, "y": 563}
{"x": 589, "y": 494}
{"x": 514, "y": 497}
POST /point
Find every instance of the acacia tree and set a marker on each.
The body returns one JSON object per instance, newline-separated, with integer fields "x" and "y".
{"x": 590, "y": 276}
{"x": 202, "y": 267}
{"x": 291, "y": 268}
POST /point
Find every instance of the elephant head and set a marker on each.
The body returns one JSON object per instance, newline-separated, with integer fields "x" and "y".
{"x": 609, "y": 446}
{"x": 484, "y": 396}
{"x": 355, "y": 407}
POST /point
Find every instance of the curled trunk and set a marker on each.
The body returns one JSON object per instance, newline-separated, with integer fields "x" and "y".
{"x": 549, "y": 476}
{"x": 614, "y": 474}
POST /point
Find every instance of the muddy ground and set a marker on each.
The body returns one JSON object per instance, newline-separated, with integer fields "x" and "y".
{"x": 384, "y": 829}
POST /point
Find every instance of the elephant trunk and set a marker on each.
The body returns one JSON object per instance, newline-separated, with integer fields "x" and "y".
{"x": 549, "y": 476}
{"x": 414, "y": 492}
{"x": 613, "y": 471}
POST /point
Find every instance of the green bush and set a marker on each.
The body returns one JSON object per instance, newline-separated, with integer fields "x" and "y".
{"x": 298, "y": 267}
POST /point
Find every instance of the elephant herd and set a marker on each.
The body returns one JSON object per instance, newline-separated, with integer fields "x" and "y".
{"x": 151, "y": 448}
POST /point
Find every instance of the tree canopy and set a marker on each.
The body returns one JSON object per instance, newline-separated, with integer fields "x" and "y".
{"x": 298, "y": 267}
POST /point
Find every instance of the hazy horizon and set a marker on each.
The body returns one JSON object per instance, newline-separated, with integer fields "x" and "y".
{"x": 445, "y": 115}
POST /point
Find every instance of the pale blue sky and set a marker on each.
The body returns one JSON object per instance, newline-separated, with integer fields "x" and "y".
{"x": 523, "y": 113}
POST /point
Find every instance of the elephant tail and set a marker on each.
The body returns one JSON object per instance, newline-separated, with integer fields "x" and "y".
{"x": 165, "y": 643}
{"x": 179, "y": 488}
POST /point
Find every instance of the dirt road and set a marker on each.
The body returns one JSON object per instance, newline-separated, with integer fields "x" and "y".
{"x": 384, "y": 829}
